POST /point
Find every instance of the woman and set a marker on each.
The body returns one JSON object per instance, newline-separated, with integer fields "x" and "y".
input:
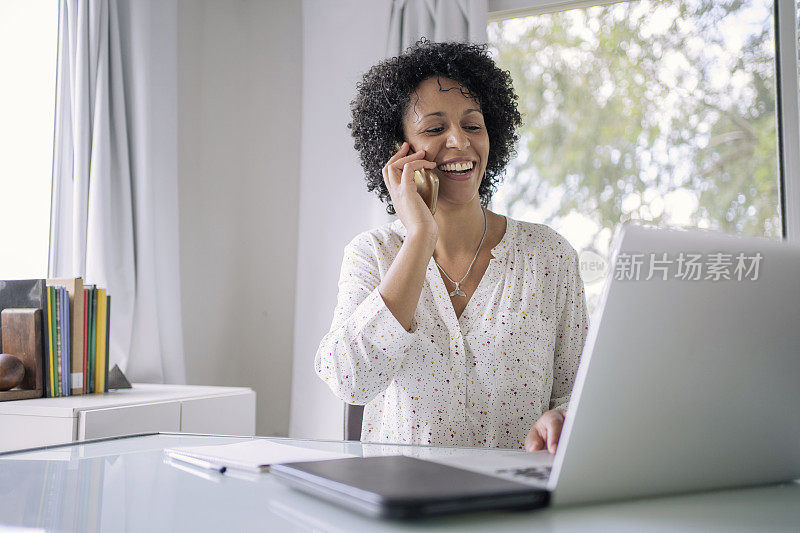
{"x": 462, "y": 327}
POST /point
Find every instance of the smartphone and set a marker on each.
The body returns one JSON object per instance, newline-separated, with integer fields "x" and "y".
{"x": 427, "y": 184}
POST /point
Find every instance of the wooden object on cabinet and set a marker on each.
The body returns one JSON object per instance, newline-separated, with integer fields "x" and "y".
{"x": 22, "y": 338}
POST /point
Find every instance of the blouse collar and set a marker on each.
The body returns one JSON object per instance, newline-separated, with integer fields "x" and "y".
{"x": 500, "y": 252}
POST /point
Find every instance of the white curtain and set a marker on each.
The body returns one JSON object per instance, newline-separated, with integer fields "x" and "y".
{"x": 114, "y": 214}
{"x": 436, "y": 20}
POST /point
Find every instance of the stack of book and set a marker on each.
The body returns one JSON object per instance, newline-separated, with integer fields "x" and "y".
{"x": 76, "y": 326}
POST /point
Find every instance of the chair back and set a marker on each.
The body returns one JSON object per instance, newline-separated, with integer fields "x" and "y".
{"x": 353, "y": 415}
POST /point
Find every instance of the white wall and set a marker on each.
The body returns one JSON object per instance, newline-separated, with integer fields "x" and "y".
{"x": 262, "y": 227}
{"x": 341, "y": 40}
{"x": 239, "y": 80}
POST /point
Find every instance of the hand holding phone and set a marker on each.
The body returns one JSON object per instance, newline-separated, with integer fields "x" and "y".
{"x": 427, "y": 185}
{"x": 413, "y": 188}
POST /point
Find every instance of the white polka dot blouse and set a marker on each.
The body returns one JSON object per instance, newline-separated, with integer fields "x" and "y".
{"x": 481, "y": 379}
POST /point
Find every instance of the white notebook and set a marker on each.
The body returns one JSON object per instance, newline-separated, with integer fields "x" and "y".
{"x": 254, "y": 455}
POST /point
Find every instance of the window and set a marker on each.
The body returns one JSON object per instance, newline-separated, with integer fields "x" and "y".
{"x": 658, "y": 111}
{"x": 28, "y": 43}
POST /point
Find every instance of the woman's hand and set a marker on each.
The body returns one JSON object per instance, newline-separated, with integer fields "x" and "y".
{"x": 398, "y": 175}
{"x": 546, "y": 431}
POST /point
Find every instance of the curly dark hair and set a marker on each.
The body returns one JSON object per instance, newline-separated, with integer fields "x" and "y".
{"x": 384, "y": 94}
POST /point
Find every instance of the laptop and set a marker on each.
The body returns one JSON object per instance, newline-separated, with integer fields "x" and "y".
{"x": 689, "y": 378}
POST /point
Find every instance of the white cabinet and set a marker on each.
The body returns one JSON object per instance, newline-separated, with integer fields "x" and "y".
{"x": 144, "y": 408}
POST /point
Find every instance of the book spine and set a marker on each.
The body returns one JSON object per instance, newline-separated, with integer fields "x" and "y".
{"x": 100, "y": 372}
{"x": 46, "y": 341}
{"x": 76, "y": 334}
{"x": 67, "y": 342}
{"x": 49, "y": 355}
{"x": 56, "y": 388}
{"x": 108, "y": 338}
{"x": 89, "y": 359}
{"x": 58, "y": 358}
{"x": 62, "y": 344}
{"x": 85, "y": 338}
{"x": 92, "y": 337}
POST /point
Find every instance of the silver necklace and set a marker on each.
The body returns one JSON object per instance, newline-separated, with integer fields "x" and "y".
{"x": 458, "y": 291}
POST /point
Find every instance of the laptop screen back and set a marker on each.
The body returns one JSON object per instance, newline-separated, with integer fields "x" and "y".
{"x": 687, "y": 382}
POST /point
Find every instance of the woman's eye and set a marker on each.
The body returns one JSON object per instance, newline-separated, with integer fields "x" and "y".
{"x": 439, "y": 130}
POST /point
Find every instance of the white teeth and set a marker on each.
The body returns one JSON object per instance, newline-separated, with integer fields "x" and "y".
{"x": 466, "y": 165}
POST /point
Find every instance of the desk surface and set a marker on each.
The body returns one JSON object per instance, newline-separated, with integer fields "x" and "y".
{"x": 125, "y": 485}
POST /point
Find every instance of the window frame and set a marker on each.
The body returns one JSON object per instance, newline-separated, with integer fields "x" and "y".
{"x": 787, "y": 92}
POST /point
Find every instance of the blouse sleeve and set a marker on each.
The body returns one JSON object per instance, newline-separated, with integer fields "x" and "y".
{"x": 362, "y": 352}
{"x": 570, "y": 332}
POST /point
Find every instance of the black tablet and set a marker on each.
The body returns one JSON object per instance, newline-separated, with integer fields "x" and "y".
{"x": 404, "y": 487}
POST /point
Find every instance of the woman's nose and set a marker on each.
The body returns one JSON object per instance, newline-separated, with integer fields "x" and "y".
{"x": 457, "y": 139}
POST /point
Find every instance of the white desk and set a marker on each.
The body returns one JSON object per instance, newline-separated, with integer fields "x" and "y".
{"x": 144, "y": 408}
{"x": 125, "y": 485}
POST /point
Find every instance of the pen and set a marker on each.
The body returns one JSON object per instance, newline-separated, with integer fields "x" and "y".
{"x": 198, "y": 462}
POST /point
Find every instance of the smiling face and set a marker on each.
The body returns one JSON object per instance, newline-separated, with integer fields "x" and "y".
{"x": 449, "y": 126}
